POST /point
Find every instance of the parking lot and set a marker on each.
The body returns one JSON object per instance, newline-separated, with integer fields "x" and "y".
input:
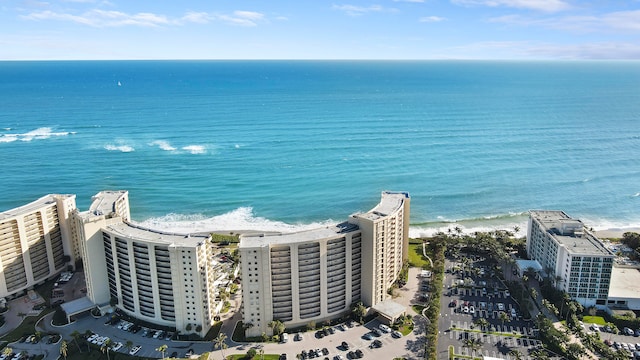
{"x": 475, "y": 292}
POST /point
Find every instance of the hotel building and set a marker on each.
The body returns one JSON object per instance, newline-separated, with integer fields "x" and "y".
{"x": 35, "y": 243}
{"x": 317, "y": 275}
{"x": 578, "y": 261}
{"x": 162, "y": 278}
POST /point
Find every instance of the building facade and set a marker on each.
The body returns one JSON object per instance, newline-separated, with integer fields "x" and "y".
{"x": 35, "y": 243}
{"x": 577, "y": 261}
{"x": 317, "y": 275}
{"x": 159, "y": 277}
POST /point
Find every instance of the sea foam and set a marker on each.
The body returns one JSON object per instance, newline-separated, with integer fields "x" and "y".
{"x": 37, "y": 134}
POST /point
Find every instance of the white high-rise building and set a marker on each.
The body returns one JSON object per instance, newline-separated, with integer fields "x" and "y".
{"x": 35, "y": 243}
{"x": 577, "y": 261}
{"x": 317, "y": 275}
{"x": 159, "y": 277}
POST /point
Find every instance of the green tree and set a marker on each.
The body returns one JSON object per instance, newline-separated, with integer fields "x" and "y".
{"x": 106, "y": 347}
{"x": 162, "y": 349}
{"x": 7, "y": 351}
{"x": 503, "y": 317}
{"x": 220, "y": 342}
{"x": 575, "y": 351}
{"x": 75, "y": 335}
{"x": 359, "y": 311}
{"x": 277, "y": 327}
{"x": 515, "y": 354}
{"x": 482, "y": 322}
{"x": 128, "y": 345}
{"x": 63, "y": 349}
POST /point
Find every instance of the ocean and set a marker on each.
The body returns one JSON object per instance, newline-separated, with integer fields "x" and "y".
{"x": 291, "y": 145}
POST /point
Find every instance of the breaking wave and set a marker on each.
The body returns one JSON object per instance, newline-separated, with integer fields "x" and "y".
{"x": 37, "y": 134}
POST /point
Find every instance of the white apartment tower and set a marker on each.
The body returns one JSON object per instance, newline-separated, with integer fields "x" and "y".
{"x": 159, "y": 277}
{"x": 577, "y": 261}
{"x": 35, "y": 243}
{"x": 317, "y": 275}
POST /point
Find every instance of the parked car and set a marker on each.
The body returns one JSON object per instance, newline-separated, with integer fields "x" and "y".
{"x": 384, "y": 328}
{"x": 396, "y": 334}
{"x": 135, "y": 350}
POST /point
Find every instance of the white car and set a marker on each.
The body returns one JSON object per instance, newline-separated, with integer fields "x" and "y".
{"x": 117, "y": 346}
{"x": 135, "y": 350}
{"x": 396, "y": 334}
{"x": 472, "y": 310}
{"x": 384, "y": 328}
{"x": 500, "y": 307}
{"x": 506, "y": 293}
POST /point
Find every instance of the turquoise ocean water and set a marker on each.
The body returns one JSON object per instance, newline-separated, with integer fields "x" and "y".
{"x": 285, "y": 145}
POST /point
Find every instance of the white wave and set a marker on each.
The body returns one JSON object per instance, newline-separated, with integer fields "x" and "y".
{"x": 238, "y": 219}
{"x": 636, "y": 194}
{"x": 237, "y": 146}
{"x": 7, "y": 129}
{"x": 37, "y": 134}
{"x": 8, "y": 138}
{"x": 195, "y": 149}
{"x": 427, "y": 231}
{"x": 121, "y": 148}
{"x": 162, "y": 144}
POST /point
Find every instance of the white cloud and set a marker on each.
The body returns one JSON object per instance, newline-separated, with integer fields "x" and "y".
{"x": 594, "y": 51}
{"x": 625, "y": 21}
{"x": 541, "y": 50}
{"x": 541, "y": 5}
{"x": 354, "y": 10}
{"x": 105, "y": 18}
{"x": 431, "y": 19}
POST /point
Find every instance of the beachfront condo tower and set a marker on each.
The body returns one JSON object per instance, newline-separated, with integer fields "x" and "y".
{"x": 575, "y": 260}
{"x": 35, "y": 243}
{"x": 317, "y": 275}
{"x": 159, "y": 277}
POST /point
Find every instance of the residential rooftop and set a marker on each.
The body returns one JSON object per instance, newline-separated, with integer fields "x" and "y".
{"x": 389, "y": 203}
{"x": 103, "y": 203}
{"x": 32, "y": 206}
{"x": 261, "y": 239}
{"x": 570, "y": 233}
{"x": 135, "y": 232}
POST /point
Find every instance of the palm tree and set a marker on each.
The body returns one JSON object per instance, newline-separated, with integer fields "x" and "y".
{"x": 277, "y": 326}
{"x": 516, "y": 354}
{"x": 473, "y": 345}
{"x": 574, "y": 351}
{"x": 128, "y": 345}
{"x": 534, "y": 293}
{"x": 359, "y": 310}
{"x": 539, "y": 354}
{"x": 106, "y": 347}
{"x": 7, "y": 351}
{"x": 219, "y": 342}
{"x": 261, "y": 352}
{"x": 76, "y": 335}
{"x": 503, "y": 317}
{"x": 482, "y": 322}
{"x": 162, "y": 349}
{"x": 63, "y": 349}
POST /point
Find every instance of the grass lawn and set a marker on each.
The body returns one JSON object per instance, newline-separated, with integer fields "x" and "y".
{"x": 405, "y": 330}
{"x": 415, "y": 256}
{"x": 27, "y": 327}
{"x": 594, "y": 320}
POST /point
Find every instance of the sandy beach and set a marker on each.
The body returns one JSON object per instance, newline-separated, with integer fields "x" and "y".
{"x": 615, "y": 233}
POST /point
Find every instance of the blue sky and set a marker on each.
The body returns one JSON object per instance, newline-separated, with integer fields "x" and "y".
{"x": 349, "y": 29}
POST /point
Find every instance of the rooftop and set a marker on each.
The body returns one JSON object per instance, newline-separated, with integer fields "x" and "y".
{"x": 103, "y": 202}
{"x": 260, "y": 240}
{"x": 389, "y": 204}
{"x": 570, "y": 233}
{"x": 32, "y": 206}
{"x": 624, "y": 283}
{"x": 135, "y": 232}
